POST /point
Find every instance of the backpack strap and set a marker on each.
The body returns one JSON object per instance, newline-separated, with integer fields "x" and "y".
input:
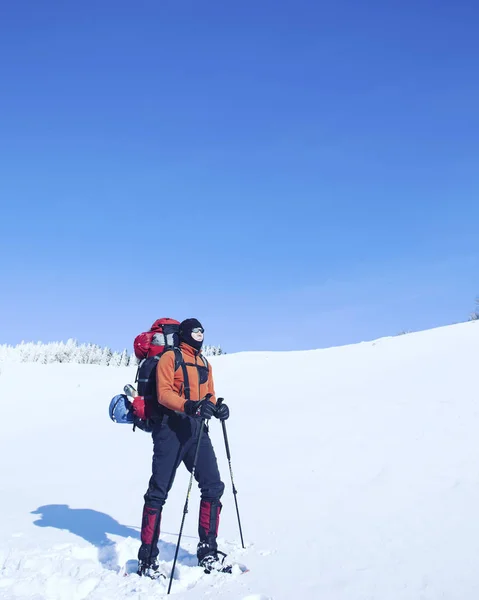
{"x": 147, "y": 379}
{"x": 138, "y": 370}
{"x": 179, "y": 362}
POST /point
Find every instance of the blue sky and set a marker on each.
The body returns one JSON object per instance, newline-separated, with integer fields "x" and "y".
{"x": 295, "y": 174}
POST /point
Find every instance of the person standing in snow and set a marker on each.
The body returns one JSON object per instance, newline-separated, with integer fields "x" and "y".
{"x": 186, "y": 395}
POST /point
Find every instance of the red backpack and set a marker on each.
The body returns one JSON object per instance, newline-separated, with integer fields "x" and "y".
{"x": 162, "y": 334}
{"x": 149, "y": 346}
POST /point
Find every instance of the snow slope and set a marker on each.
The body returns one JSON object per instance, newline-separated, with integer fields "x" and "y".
{"x": 357, "y": 471}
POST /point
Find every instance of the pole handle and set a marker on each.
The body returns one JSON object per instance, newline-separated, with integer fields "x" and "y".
{"x": 219, "y": 402}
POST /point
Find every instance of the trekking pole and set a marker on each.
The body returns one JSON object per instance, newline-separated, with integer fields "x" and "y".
{"x": 185, "y": 510}
{"x": 228, "y": 455}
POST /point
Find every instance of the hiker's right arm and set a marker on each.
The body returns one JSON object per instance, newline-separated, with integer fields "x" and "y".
{"x": 165, "y": 383}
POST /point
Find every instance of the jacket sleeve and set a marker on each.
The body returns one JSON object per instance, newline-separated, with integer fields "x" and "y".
{"x": 211, "y": 385}
{"x": 165, "y": 386}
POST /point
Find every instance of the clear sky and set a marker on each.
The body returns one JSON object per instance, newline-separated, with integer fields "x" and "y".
{"x": 296, "y": 174}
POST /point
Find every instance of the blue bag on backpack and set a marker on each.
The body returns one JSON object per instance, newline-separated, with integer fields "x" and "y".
{"x": 120, "y": 410}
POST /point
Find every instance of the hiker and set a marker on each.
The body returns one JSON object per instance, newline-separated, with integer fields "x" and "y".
{"x": 186, "y": 395}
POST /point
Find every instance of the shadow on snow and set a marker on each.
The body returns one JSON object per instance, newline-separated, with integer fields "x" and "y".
{"x": 94, "y": 527}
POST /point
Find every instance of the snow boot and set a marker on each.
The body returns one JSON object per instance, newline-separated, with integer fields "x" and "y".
{"x": 213, "y": 562}
{"x": 150, "y": 569}
{"x": 207, "y": 551}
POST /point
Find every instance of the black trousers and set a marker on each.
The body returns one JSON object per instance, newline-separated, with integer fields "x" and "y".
{"x": 174, "y": 442}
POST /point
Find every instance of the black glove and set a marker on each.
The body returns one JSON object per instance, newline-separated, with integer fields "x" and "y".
{"x": 204, "y": 409}
{"x": 222, "y": 412}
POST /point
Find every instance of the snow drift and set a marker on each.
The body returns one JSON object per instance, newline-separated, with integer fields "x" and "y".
{"x": 357, "y": 471}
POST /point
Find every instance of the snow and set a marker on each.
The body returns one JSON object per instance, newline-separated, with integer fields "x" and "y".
{"x": 357, "y": 471}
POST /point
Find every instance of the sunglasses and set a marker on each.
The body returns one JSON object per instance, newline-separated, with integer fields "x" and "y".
{"x": 197, "y": 330}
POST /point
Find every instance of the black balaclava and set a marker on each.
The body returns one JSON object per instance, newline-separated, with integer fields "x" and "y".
{"x": 186, "y": 327}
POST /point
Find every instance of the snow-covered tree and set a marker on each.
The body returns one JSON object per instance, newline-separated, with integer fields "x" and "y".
{"x": 95, "y": 355}
{"x": 212, "y": 350}
{"x": 105, "y": 356}
{"x": 70, "y": 351}
{"x": 60, "y": 355}
{"x": 115, "y": 359}
{"x": 23, "y": 351}
{"x": 475, "y": 315}
{"x": 51, "y": 352}
{"x": 124, "y": 359}
{"x": 37, "y": 352}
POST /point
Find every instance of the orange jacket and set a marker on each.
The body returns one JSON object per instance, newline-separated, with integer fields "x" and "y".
{"x": 170, "y": 384}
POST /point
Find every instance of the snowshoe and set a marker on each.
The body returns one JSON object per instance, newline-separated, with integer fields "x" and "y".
{"x": 151, "y": 570}
{"x": 212, "y": 562}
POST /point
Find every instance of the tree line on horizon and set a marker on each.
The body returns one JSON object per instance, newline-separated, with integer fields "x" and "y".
{"x": 73, "y": 352}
